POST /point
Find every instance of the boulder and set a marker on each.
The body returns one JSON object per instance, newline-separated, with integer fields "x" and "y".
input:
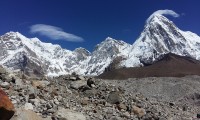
{"x": 2, "y": 70}
{"x": 28, "y": 106}
{"x": 84, "y": 88}
{"x": 27, "y": 115}
{"x": 32, "y": 92}
{"x": 6, "y": 106}
{"x": 138, "y": 111}
{"x": 19, "y": 82}
{"x": 80, "y": 78}
{"x": 198, "y": 115}
{"x": 85, "y": 101}
{"x": 121, "y": 106}
{"x": 73, "y": 78}
{"x": 5, "y": 85}
{"x": 90, "y": 82}
{"x": 77, "y": 84}
{"x": 40, "y": 84}
{"x": 90, "y": 93}
{"x": 66, "y": 114}
{"x": 114, "y": 98}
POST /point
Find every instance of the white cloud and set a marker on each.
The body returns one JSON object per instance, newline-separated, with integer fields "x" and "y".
{"x": 164, "y": 12}
{"x": 54, "y": 33}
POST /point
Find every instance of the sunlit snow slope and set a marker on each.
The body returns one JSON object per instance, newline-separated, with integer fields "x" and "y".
{"x": 160, "y": 36}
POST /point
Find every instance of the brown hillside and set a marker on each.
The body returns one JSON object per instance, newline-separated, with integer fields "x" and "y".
{"x": 169, "y": 66}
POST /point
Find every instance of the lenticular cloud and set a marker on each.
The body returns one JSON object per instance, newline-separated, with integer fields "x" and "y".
{"x": 54, "y": 33}
{"x": 164, "y": 12}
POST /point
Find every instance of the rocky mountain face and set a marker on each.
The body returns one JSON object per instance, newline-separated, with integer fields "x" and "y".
{"x": 105, "y": 53}
{"x": 19, "y": 52}
{"x": 34, "y": 56}
{"x": 160, "y": 36}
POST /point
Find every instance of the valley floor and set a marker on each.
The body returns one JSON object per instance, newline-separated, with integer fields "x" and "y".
{"x": 85, "y": 98}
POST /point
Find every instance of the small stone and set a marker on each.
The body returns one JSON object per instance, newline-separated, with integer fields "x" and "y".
{"x": 13, "y": 97}
{"x": 77, "y": 84}
{"x": 93, "y": 86}
{"x": 198, "y": 115}
{"x": 184, "y": 108}
{"x": 114, "y": 98}
{"x": 66, "y": 114}
{"x": 138, "y": 111}
{"x": 115, "y": 118}
{"x": 56, "y": 102}
{"x": 36, "y": 102}
{"x": 73, "y": 78}
{"x": 28, "y": 106}
{"x": 40, "y": 84}
{"x": 32, "y": 92}
{"x": 171, "y": 104}
{"x": 84, "y": 88}
{"x": 126, "y": 115}
{"x": 5, "y": 85}
{"x": 90, "y": 82}
{"x": 59, "y": 98}
{"x": 13, "y": 80}
{"x": 90, "y": 93}
{"x": 18, "y": 82}
{"x": 49, "y": 106}
{"x": 14, "y": 101}
{"x": 85, "y": 101}
{"x": 51, "y": 110}
{"x": 80, "y": 78}
{"x": 2, "y": 70}
{"x": 121, "y": 106}
{"x": 32, "y": 96}
{"x": 27, "y": 115}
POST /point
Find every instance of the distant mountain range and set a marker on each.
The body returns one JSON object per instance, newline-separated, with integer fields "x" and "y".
{"x": 159, "y": 37}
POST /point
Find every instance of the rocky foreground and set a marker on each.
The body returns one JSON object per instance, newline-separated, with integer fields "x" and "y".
{"x": 85, "y": 98}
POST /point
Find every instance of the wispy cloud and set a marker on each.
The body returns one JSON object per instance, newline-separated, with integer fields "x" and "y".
{"x": 54, "y": 33}
{"x": 164, "y": 12}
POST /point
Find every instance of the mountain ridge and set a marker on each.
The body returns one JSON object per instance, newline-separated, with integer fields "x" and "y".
{"x": 170, "y": 65}
{"x": 159, "y": 37}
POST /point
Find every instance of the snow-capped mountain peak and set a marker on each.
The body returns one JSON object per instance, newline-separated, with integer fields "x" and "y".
{"x": 53, "y": 60}
{"x": 160, "y": 36}
{"x": 105, "y": 53}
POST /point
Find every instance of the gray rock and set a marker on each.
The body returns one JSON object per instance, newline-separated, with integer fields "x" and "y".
{"x": 90, "y": 93}
{"x": 5, "y": 85}
{"x": 121, "y": 106}
{"x": 90, "y": 82}
{"x": 85, "y": 101}
{"x": 80, "y": 78}
{"x": 19, "y": 82}
{"x": 73, "y": 78}
{"x": 27, "y": 115}
{"x": 2, "y": 70}
{"x": 28, "y": 106}
{"x": 77, "y": 84}
{"x": 115, "y": 118}
{"x": 66, "y": 114}
{"x": 32, "y": 92}
{"x": 114, "y": 98}
{"x": 49, "y": 106}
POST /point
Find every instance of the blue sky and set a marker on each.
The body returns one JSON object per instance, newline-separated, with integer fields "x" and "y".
{"x": 85, "y": 23}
